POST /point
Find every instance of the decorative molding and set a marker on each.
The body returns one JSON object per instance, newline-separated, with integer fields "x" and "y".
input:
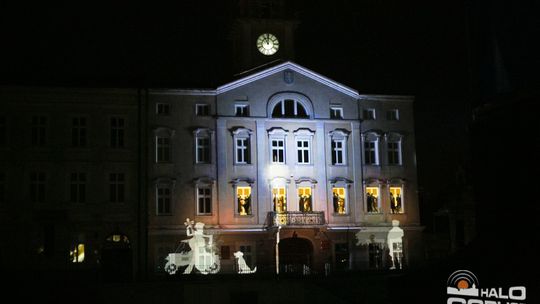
{"x": 306, "y": 180}
{"x": 293, "y": 67}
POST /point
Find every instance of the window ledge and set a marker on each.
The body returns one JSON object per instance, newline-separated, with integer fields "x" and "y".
{"x": 249, "y": 216}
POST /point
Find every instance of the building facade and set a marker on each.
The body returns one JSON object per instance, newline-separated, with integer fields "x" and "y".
{"x": 106, "y": 178}
{"x": 284, "y": 150}
{"x": 69, "y": 190}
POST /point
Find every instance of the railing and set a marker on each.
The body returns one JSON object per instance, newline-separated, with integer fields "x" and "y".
{"x": 296, "y": 218}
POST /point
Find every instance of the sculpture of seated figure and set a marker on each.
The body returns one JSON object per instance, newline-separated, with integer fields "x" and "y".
{"x": 243, "y": 268}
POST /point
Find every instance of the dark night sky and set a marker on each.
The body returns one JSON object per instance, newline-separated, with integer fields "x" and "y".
{"x": 440, "y": 51}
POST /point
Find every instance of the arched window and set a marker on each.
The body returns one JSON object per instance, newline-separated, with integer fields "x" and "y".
{"x": 289, "y": 105}
{"x": 288, "y": 108}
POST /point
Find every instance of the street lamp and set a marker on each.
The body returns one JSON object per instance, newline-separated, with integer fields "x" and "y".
{"x": 277, "y": 250}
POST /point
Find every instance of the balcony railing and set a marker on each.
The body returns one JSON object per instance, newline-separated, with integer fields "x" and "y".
{"x": 296, "y": 218}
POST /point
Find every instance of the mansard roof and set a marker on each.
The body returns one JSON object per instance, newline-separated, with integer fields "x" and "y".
{"x": 257, "y": 74}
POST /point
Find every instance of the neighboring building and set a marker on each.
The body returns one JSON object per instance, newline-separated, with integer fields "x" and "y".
{"x": 69, "y": 186}
{"x": 284, "y": 146}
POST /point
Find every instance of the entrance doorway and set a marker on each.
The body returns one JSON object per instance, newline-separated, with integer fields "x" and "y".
{"x": 295, "y": 255}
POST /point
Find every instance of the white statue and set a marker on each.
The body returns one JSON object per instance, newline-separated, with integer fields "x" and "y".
{"x": 243, "y": 268}
{"x": 202, "y": 255}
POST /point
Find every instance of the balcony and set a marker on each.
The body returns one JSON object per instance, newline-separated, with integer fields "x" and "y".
{"x": 296, "y": 218}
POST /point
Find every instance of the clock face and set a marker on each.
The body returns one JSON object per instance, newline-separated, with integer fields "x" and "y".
{"x": 267, "y": 44}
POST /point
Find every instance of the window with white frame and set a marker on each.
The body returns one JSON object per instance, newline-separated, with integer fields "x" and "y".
{"x": 37, "y": 187}
{"x": 204, "y": 200}
{"x": 39, "y": 131}
{"x": 371, "y": 148}
{"x": 277, "y": 138}
{"x": 303, "y": 139}
{"x": 339, "y": 199}
{"x": 118, "y": 130}
{"x": 396, "y": 199}
{"x": 163, "y": 149}
{"x": 392, "y": 114}
{"x": 393, "y": 148}
{"x": 77, "y": 187}
{"x": 203, "y": 146}
{"x": 394, "y": 152}
{"x": 338, "y": 146}
{"x": 202, "y": 109}
{"x": 117, "y": 187}
{"x": 368, "y": 114}
{"x": 163, "y": 108}
{"x": 78, "y": 132}
{"x": 278, "y": 150}
{"x": 241, "y": 110}
{"x": 289, "y": 108}
{"x": 303, "y": 151}
{"x": 242, "y": 150}
{"x": 242, "y": 146}
{"x": 336, "y": 112}
{"x": 338, "y": 151}
{"x": 373, "y": 199}
{"x": 163, "y": 199}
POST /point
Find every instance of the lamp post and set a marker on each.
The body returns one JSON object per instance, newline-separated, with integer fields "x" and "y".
{"x": 277, "y": 250}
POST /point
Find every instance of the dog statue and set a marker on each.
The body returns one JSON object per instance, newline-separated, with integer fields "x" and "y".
{"x": 243, "y": 268}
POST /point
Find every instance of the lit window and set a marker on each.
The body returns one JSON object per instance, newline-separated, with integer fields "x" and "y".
{"x": 396, "y": 200}
{"x": 116, "y": 187}
{"x": 303, "y": 151}
{"x": 397, "y": 255}
{"x": 289, "y": 108}
{"x": 372, "y": 200}
{"x": 278, "y": 151}
{"x": 304, "y": 199}
{"x": 39, "y": 131}
{"x": 77, "y": 254}
{"x": 279, "y": 199}
{"x": 338, "y": 152}
{"x": 394, "y": 152}
{"x": 204, "y": 200}
{"x": 37, "y": 187}
{"x": 78, "y": 132}
{"x": 392, "y": 114}
{"x": 78, "y": 187}
{"x": 336, "y": 113}
{"x": 117, "y": 132}
{"x": 243, "y": 199}
{"x": 202, "y": 109}
{"x": 369, "y": 114}
{"x": 163, "y": 200}
{"x": 163, "y": 149}
{"x": 241, "y": 110}
{"x": 162, "y": 108}
{"x": 339, "y": 200}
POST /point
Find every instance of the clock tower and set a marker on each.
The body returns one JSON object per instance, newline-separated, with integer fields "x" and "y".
{"x": 262, "y": 32}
